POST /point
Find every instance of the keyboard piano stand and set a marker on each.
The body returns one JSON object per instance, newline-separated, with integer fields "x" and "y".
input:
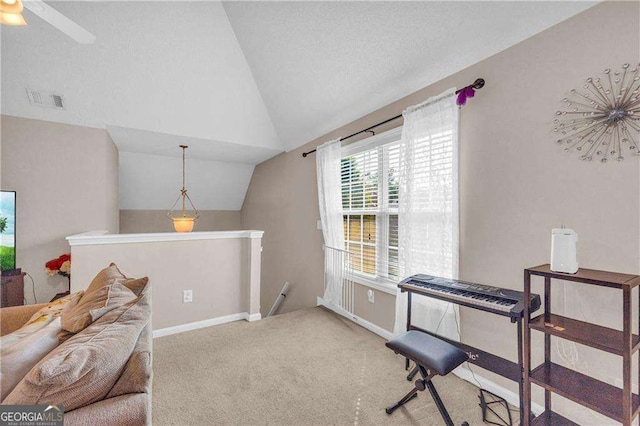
{"x": 488, "y": 361}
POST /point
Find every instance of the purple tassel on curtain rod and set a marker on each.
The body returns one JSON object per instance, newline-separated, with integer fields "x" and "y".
{"x": 469, "y": 91}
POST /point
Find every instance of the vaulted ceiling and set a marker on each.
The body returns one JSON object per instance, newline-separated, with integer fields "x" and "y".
{"x": 168, "y": 68}
{"x": 320, "y": 65}
{"x": 271, "y": 75}
{"x": 242, "y": 81}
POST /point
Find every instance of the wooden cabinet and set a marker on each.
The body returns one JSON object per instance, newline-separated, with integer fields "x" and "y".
{"x": 621, "y": 405}
{"x": 12, "y": 290}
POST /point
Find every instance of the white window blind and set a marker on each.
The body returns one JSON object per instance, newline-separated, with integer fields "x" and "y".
{"x": 428, "y": 180}
{"x": 370, "y": 181}
{"x": 370, "y": 191}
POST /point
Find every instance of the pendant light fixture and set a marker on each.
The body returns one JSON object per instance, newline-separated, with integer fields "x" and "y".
{"x": 183, "y": 223}
{"x": 11, "y": 12}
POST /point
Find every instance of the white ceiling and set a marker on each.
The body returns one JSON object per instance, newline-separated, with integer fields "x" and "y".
{"x": 320, "y": 65}
{"x": 240, "y": 82}
{"x": 155, "y": 143}
{"x": 271, "y": 75}
{"x": 165, "y": 67}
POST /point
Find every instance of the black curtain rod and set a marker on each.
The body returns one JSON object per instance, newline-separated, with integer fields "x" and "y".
{"x": 478, "y": 84}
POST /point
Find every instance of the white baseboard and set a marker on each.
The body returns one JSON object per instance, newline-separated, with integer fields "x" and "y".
{"x": 253, "y": 317}
{"x": 206, "y": 323}
{"x": 462, "y": 371}
{"x": 511, "y": 397}
{"x": 362, "y": 322}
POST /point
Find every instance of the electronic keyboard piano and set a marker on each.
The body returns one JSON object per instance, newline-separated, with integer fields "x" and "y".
{"x": 496, "y": 300}
{"x": 500, "y": 301}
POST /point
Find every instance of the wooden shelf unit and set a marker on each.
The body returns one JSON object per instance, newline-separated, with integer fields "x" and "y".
{"x": 12, "y": 290}
{"x": 549, "y": 418}
{"x": 621, "y": 405}
{"x": 596, "y": 336}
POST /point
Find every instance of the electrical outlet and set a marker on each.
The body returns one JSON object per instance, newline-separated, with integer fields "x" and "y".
{"x": 187, "y": 296}
{"x": 319, "y": 224}
{"x": 371, "y": 296}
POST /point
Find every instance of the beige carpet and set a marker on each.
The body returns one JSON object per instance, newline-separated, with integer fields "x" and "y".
{"x": 309, "y": 367}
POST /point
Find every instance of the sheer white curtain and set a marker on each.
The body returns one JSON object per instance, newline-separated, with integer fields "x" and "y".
{"x": 428, "y": 208}
{"x": 328, "y": 159}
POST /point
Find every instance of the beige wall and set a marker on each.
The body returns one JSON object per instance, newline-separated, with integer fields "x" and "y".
{"x": 66, "y": 178}
{"x": 381, "y": 312}
{"x": 515, "y": 185}
{"x": 143, "y": 221}
{"x": 282, "y": 200}
{"x": 222, "y": 273}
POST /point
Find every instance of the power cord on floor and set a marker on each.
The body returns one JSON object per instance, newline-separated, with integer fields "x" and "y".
{"x": 468, "y": 363}
{"x": 459, "y": 338}
{"x": 516, "y": 410}
{"x": 33, "y": 288}
{"x": 442, "y": 317}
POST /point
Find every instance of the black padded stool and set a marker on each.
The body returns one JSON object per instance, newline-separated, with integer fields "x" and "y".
{"x": 432, "y": 357}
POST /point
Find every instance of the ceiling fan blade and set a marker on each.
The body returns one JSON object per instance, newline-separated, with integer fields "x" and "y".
{"x": 60, "y": 21}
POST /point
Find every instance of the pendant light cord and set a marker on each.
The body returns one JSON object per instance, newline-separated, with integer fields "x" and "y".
{"x": 184, "y": 191}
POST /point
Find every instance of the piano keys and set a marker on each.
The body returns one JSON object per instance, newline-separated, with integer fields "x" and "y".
{"x": 496, "y": 300}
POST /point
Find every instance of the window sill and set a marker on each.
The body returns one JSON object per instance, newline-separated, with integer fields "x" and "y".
{"x": 388, "y": 287}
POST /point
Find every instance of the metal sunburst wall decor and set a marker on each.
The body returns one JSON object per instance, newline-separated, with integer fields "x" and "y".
{"x": 602, "y": 120}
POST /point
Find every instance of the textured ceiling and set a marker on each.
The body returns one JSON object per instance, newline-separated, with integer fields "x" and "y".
{"x": 173, "y": 68}
{"x": 320, "y": 65}
{"x": 241, "y": 81}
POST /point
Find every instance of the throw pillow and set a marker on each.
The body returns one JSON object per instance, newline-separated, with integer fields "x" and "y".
{"x": 82, "y": 370}
{"x": 96, "y": 303}
{"x": 41, "y": 319}
{"x": 136, "y": 285}
{"x": 18, "y": 359}
{"x": 109, "y": 273}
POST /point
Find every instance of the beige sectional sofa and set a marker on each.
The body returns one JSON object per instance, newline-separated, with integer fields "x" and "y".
{"x": 102, "y": 374}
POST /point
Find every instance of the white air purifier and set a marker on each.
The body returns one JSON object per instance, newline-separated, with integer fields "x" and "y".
{"x": 564, "y": 250}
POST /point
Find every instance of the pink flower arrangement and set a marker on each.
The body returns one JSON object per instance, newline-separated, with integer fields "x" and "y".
{"x": 60, "y": 266}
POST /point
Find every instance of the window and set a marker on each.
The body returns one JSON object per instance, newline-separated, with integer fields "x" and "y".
{"x": 369, "y": 181}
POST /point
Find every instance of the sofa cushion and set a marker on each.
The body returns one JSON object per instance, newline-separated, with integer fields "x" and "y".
{"x": 41, "y": 318}
{"x": 14, "y": 317}
{"x": 125, "y": 410}
{"x": 20, "y": 357}
{"x": 136, "y": 377}
{"x": 56, "y": 307}
{"x": 84, "y": 368}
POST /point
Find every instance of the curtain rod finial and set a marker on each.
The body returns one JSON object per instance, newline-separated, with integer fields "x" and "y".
{"x": 478, "y": 84}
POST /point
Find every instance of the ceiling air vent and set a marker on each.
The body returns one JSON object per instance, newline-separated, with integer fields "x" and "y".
{"x": 45, "y": 99}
